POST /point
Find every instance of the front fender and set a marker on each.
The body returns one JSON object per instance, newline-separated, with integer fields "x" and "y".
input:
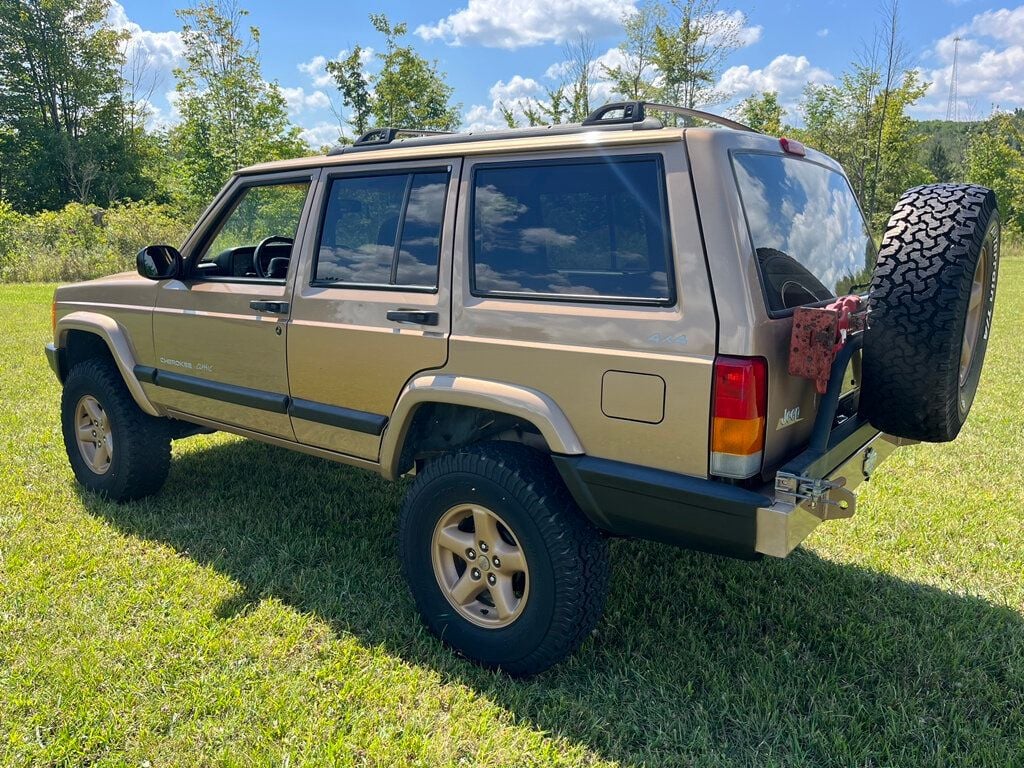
{"x": 117, "y": 342}
{"x": 523, "y": 402}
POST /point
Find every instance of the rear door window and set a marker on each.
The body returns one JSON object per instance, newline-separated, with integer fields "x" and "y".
{"x": 807, "y": 230}
{"x": 586, "y": 231}
{"x": 383, "y": 230}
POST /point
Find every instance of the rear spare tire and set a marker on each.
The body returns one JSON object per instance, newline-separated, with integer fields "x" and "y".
{"x": 932, "y": 294}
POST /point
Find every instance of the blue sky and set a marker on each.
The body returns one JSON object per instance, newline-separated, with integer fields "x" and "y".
{"x": 508, "y": 50}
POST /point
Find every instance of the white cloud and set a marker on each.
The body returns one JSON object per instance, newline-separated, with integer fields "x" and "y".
{"x": 316, "y": 68}
{"x": 321, "y": 134}
{"x": 737, "y": 20}
{"x": 823, "y": 32}
{"x": 786, "y": 74}
{"x": 990, "y": 66}
{"x": 151, "y": 56}
{"x": 299, "y": 101}
{"x": 1003, "y": 24}
{"x": 514, "y": 94}
{"x": 516, "y": 23}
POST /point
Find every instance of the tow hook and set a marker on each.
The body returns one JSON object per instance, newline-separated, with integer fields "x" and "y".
{"x": 825, "y": 499}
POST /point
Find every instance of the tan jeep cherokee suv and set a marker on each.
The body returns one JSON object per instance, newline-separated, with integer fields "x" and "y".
{"x": 565, "y": 333}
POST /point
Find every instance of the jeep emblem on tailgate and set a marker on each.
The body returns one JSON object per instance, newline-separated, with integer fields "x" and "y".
{"x": 790, "y": 416}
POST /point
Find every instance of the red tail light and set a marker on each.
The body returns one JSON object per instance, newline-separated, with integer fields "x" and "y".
{"x": 738, "y": 418}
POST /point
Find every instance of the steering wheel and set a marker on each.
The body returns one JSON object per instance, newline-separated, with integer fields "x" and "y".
{"x": 257, "y": 256}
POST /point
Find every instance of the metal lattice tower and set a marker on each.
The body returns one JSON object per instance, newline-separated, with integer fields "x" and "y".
{"x": 952, "y": 106}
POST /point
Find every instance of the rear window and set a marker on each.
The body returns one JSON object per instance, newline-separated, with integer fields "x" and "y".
{"x": 584, "y": 231}
{"x": 807, "y": 229}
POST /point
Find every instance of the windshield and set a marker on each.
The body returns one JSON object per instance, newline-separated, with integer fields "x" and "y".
{"x": 808, "y": 232}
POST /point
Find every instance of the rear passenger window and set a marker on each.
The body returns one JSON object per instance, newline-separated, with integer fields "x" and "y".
{"x": 383, "y": 230}
{"x": 588, "y": 231}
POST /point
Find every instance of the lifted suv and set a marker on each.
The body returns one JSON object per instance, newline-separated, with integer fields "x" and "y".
{"x": 614, "y": 328}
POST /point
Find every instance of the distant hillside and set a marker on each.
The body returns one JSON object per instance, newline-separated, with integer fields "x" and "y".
{"x": 942, "y": 151}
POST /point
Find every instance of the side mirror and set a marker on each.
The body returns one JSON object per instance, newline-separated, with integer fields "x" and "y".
{"x": 159, "y": 262}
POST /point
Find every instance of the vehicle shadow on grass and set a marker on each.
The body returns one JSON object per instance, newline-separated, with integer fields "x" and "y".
{"x": 699, "y": 660}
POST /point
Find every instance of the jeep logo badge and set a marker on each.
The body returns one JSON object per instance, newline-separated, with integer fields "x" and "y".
{"x": 790, "y": 416}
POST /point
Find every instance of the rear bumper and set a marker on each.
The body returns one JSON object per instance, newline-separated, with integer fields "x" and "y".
{"x": 801, "y": 502}
{"x": 714, "y": 516}
{"x": 640, "y": 502}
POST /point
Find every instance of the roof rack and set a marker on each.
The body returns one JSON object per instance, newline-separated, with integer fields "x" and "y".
{"x": 381, "y": 136}
{"x": 636, "y": 112}
{"x": 615, "y": 116}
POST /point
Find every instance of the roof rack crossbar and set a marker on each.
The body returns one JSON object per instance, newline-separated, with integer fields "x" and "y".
{"x": 636, "y": 112}
{"x": 388, "y": 135}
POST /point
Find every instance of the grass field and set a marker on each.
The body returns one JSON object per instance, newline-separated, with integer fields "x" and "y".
{"x": 253, "y": 614}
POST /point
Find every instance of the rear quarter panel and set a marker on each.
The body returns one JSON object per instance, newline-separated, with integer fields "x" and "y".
{"x": 567, "y": 349}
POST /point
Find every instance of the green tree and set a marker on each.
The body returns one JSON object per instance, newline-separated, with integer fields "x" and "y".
{"x": 579, "y": 68}
{"x": 230, "y": 116}
{"x": 762, "y": 113}
{"x": 407, "y": 92}
{"x": 66, "y": 131}
{"x": 690, "y": 51}
{"x": 352, "y": 81}
{"x": 635, "y": 77}
{"x": 844, "y": 120}
{"x": 994, "y": 159}
{"x": 938, "y": 162}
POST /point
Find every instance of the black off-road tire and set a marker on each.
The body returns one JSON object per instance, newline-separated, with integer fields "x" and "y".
{"x": 567, "y": 556}
{"x": 141, "y": 455}
{"x": 913, "y": 383}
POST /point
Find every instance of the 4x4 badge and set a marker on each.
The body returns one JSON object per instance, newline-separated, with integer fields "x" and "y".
{"x": 789, "y": 417}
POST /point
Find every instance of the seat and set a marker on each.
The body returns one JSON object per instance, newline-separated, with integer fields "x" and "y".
{"x": 277, "y": 269}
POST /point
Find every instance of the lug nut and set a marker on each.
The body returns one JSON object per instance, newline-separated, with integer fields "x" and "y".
{"x": 496, "y": 562}
{"x": 491, "y": 580}
{"x": 475, "y": 573}
{"x": 483, "y": 546}
{"x": 470, "y": 554}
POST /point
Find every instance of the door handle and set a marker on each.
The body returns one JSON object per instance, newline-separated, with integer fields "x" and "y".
{"x": 414, "y": 317}
{"x": 274, "y": 307}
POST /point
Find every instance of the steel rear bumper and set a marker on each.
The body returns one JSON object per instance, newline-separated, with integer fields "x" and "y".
{"x": 803, "y": 500}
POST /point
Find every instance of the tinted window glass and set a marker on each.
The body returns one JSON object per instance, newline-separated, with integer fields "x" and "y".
{"x": 808, "y": 233}
{"x": 421, "y": 230}
{"x": 364, "y": 221}
{"x": 584, "y": 230}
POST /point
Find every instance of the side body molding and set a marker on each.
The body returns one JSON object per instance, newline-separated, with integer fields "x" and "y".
{"x": 528, "y": 404}
{"x": 113, "y": 334}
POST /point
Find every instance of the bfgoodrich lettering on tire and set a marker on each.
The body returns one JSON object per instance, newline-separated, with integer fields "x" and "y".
{"x": 932, "y": 296}
{"x": 501, "y": 563}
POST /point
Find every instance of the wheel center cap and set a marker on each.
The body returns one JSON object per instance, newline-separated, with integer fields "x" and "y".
{"x": 485, "y": 564}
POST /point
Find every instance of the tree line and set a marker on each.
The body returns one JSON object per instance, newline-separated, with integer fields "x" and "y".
{"x": 76, "y": 127}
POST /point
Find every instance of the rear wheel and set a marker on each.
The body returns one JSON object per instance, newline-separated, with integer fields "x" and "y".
{"x": 931, "y": 303}
{"x": 500, "y": 561}
{"x": 114, "y": 448}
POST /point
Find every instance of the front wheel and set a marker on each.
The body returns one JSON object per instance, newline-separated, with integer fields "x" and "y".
{"x": 499, "y": 559}
{"x": 114, "y": 448}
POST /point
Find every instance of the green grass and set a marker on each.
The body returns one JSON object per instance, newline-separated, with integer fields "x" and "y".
{"x": 254, "y": 614}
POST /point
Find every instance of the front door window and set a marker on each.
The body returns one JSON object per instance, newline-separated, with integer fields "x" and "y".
{"x": 255, "y": 237}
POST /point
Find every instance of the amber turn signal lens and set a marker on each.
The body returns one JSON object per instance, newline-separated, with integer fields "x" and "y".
{"x": 738, "y": 436}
